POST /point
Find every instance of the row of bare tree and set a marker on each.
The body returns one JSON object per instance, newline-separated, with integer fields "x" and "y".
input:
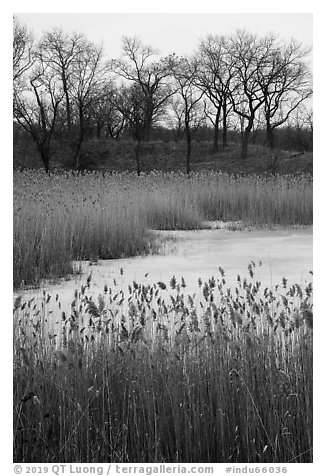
{"x": 63, "y": 84}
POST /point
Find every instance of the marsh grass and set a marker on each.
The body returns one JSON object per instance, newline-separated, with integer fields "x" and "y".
{"x": 66, "y": 217}
{"x": 156, "y": 375}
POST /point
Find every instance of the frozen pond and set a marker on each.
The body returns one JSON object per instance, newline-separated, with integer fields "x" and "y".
{"x": 194, "y": 254}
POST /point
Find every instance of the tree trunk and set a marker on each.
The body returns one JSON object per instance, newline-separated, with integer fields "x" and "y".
{"x": 216, "y": 129}
{"x": 216, "y": 134}
{"x": 77, "y": 152}
{"x": 79, "y": 141}
{"x": 245, "y": 140}
{"x": 68, "y": 115}
{"x": 225, "y": 127}
{"x": 138, "y": 157}
{"x": 148, "y": 125}
{"x": 45, "y": 156}
{"x": 188, "y": 137}
{"x": 269, "y": 135}
{"x": 147, "y": 132}
{"x": 68, "y": 106}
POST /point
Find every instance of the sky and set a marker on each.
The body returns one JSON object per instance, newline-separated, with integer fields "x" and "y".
{"x": 169, "y": 32}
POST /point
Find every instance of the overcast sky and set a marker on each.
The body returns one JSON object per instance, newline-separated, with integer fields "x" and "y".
{"x": 169, "y": 32}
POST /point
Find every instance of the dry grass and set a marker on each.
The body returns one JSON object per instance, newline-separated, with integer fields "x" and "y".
{"x": 65, "y": 217}
{"x": 156, "y": 375}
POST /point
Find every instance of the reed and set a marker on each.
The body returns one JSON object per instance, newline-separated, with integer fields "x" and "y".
{"x": 154, "y": 374}
{"x": 62, "y": 218}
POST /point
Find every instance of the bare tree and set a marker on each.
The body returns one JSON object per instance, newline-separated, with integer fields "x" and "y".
{"x": 285, "y": 83}
{"x": 150, "y": 75}
{"x": 250, "y": 54}
{"x": 22, "y": 52}
{"x": 132, "y": 105}
{"x": 185, "y": 73}
{"x": 36, "y": 109}
{"x": 214, "y": 76}
{"x": 61, "y": 52}
{"x": 176, "y": 117}
{"x": 302, "y": 128}
{"x": 87, "y": 84}
{"x": 78, "y": 66}
{"x": 105, "y": 114}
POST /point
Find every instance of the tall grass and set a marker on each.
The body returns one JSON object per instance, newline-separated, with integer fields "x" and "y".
{"x": 156, "y": 375}
{"x": 67, "y": 217}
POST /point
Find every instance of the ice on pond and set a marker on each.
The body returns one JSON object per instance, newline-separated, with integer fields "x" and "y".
{"x": 199, "y": 254}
